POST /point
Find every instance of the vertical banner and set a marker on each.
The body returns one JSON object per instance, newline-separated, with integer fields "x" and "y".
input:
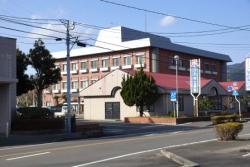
{"x": 195, "y": 77}
{"x": 247, "y": 73}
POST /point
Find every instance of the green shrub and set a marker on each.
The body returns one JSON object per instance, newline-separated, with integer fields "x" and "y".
{"x": 229, "y": 130}
{"x": 34, "y": 113}
{"x": 224, "y": 118}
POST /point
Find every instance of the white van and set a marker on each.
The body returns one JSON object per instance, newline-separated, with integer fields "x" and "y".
{"x": 74, "y": 109}
{"x": 64, "y": 110}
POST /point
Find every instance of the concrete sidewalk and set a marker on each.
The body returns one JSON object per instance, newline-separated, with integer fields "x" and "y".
{"x": 217, "y": 153}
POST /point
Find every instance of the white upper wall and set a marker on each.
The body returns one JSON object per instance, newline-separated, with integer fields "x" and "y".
{"x": 104, "y": 86}
{"x": 108, "y": 40}
{"x": 122, "y": 38}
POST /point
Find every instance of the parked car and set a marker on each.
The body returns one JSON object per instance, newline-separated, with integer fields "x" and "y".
{"x": 64, "y": 110}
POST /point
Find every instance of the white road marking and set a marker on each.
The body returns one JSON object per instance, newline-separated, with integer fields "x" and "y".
{"x": 176, "y": 132}
{"x": 150, "y": 134}
{"x": 27, "y": 146}
{"x": 26, "y": 156}
{"x": 141, "y": 152}
{"x": 246, "y": 155}
{"x": 146, "y": 151}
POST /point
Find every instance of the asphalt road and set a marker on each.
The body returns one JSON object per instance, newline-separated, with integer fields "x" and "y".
{"x": 107, "y": 152}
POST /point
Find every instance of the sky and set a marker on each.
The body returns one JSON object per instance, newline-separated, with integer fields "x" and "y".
{"x": 233, "y": 13}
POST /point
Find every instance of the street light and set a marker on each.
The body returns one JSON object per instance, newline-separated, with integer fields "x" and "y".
{"x": 176, "y": 57}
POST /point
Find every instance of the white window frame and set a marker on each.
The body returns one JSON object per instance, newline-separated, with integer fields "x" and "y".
{"x": 64, "y": 89}
{"x": 116, "y": 66}
{"x": 105, "y": 64}
{"x": 84, "y": 70}
{"x": 82, "y": 85}
{"x": 96, "y": 68}
{"x": 74, "y": 70}
{"x": 137, "y": 63}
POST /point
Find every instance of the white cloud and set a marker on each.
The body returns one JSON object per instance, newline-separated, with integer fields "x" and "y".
{"x": 167, "y": 20}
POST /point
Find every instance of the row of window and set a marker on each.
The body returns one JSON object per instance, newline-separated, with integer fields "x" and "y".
{"x": 74, "y": 85}
{"x": 185, "y": 64}
{"x": 105, "y": 63}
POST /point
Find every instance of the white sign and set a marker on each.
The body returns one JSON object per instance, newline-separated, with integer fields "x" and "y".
{"x": 247, "y": 73}
{"x": 195, "y": 83}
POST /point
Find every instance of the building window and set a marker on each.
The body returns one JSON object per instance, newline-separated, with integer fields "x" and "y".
{"x": 58, "y": 66}
{"x": 74, "y": 85}
{"x": 93, "y": 81}
{"x": 84, "y": 65}
{"x": 116, "y": 61}
{"x": 171, "y": 61}
{"x": 213, "y": 67}
{"x": 64, "y": 85}
{"x": 140, "y": 59}
{"x": 105, "y": 63}
{"x": 94, "y": 64}
{"x": 64, "y": 67}
{"x": 84, "y": 84}
{"x": 56, "y": 87}
{"x": 74, "y": 67}
{"x": 206, "y": 67}
{"x": 127, "y": 60}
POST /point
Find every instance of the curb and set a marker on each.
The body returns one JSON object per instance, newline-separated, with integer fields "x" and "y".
{"x": 178, "y": 159}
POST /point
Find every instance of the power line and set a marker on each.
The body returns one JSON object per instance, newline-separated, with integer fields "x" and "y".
{"x": 25, "y": 18}
{"x": 165, "y": 14}
{"x": 29, "y": 25}
{"x": 13, "y": 29}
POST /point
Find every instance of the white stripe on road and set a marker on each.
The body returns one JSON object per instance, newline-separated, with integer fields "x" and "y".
{"x": 146, "y": 151}
{"x": 26, "y": 156}
{"x": 141, "y": 152}
{"x": 246, "y": 155}
{"x": 18, "y": 147}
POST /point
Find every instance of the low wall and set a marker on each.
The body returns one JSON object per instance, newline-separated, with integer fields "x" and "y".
{"x": 166, "y": 120}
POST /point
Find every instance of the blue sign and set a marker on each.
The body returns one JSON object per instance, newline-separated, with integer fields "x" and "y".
{"x": 173, "y": 95}
{"x": 229, "y": 88}
{"x": 235, "y": 93}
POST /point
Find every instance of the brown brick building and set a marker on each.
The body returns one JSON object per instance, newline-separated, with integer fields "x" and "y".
{"x": 124, "y": 48}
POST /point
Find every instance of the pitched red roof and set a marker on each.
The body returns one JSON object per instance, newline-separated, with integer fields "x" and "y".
{"x": 238, "y": 84}
{"x": 168, "y": 81}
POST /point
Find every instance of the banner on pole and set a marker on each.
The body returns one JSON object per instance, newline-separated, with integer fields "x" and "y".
{"x": 247, "y": 73}
{"x": 195, "y": 83}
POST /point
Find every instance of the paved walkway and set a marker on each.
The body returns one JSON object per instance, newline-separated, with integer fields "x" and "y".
{"x": 217, "y": 153}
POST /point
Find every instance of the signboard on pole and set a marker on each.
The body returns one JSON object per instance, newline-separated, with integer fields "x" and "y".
{"x": 173, "y": 95}
{"x": 195, "y": 83}
{"x": 247, "y": 73}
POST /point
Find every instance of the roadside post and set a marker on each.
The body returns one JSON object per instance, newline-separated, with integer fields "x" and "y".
{"x": 195, "y": 83}
{"x": 235, "y": 94}
{"x": 173, "y": 99}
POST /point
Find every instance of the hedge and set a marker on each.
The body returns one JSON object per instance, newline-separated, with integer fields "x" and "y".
{"x": 229, "y": 130}
{"x": 224, "y": 118}
{"x": 34, "y": 113}
{"x": 37, "y": 124}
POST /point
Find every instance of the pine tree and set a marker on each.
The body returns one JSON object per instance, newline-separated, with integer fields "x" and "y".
{"x": 139, "y": 90}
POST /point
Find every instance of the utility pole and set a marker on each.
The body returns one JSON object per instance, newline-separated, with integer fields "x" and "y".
{"x": 68, "y": 115}
{"x": 68, "y": 38}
